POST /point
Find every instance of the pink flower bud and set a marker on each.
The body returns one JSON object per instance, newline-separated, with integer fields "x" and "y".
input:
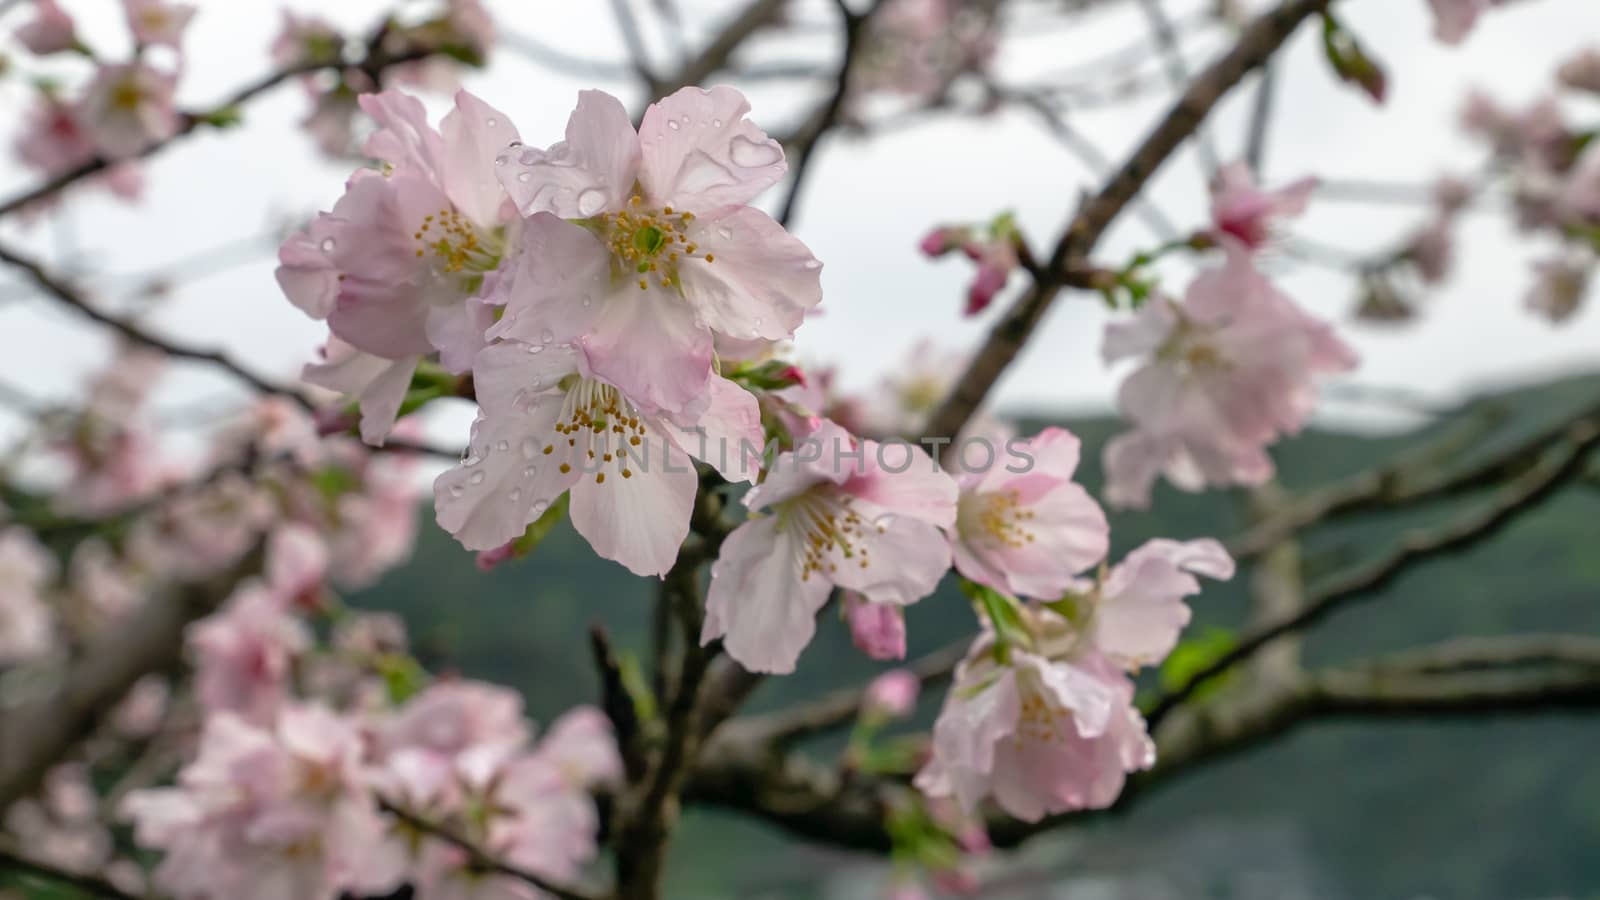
{"x": 489, "y": 559}
{"x": 940, "y": 241}
{"x": 893, "y": 694}
{"x": 878, "y": 629}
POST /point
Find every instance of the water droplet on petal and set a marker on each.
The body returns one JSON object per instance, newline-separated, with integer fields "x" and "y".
{"x": 811, "y": 264}
{"x": 716, "y": 123}
{"x": 503, "y": 446}
{"x": 524, "y": 177}
{"x": 673, "y": 124}
{"x": 547, "y": 336}
{"x": 535, "y": 348}
{"x": 725, "y": 232}
{"x": 477, "y": 478}
{"x": 327, "y": 245}
{"x": 530, "y": 448}
{"x": 515, "y": 495}
{"x": 491, "y": 121}
{"x": 529, "y": 157}
{"x": 457, "y": 490}
{"x": 514, "y": 145}
{"x": 501, "y": 160}
{"x": 591, "y": 201}
{"x": 749, "y": 154}
{"x": 530, "y": 471}
{"x": 540, "y": 507}
{"x": 884, "y": 521}
{"x": 472, "y": 460}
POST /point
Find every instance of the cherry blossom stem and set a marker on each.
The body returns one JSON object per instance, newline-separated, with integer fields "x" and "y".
{"x": 1256, "y": 44}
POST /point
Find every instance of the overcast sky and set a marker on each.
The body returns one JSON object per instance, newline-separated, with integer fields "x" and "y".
{"x": 867, "y": 203}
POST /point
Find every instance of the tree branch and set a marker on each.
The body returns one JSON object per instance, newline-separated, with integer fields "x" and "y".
{"x": 92, "y": 885}
{"x": 481, "y": 858}
{"x": 1256, "y": 44}
{"x": 1555, "y": 469}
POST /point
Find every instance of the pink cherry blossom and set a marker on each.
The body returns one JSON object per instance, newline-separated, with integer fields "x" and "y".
{"x": 1138, "y": 611}
{"x": 126, "y": 108}
{"x": 837, "y": 512}
{"x": 50, "y": 31}
{"x": 453, "y": 717}
{"x": 659, "y": 252}
{"x": 1560, "y": 285}
{"x": 994, "y": 251}
{"x": 1244, "y": 212}
{"x": 1453, "y": 20}
{"x": 297, "y": 565}
{"x": 550, "y": 425}
{"x": 1432, "y": 249}
{"x": 1024, "y": 527}
{"x": 581, "y": 745}
{"x": 27, "y": 629}
{"x": 306, "y": 40}
{"x": 244, "y": 655}
{"x": 917, "y": 47}
{"x": 892, "y": 695}
{"x": 156, "y": 22}
{"x": 877, "y": 629}
{"x": 378, "y": 384}
{"x": 1224, "y": 375}
{"x": 279, "y": 812}
{"x": 409, "y": 247}
{"x": 1537, "y": 133}
{"x": 104, "y": 589}
{"x": 53, "y": 141}
{"x": 377, "y": 525}
{"x": 1039, "y": 736}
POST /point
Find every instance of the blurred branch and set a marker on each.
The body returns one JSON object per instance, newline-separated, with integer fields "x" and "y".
{"x": 1256, "y": 44}
{"x": 92, "y": 885}
{"x": 37, "y": 733}
{"x": 1417, "y": 476}
{"x": 715, "y": 56}
{"x": 1555, "y": 468}
{"x": 483, "y": 860}
{"x": 1178, "y": 76}
{"x": 559, "y": 60}
{"x": 803, "y": 145}
{"x": 1255, "y": 153}
{"x": 374, "y": 62}
{"x": 628, "y": 27}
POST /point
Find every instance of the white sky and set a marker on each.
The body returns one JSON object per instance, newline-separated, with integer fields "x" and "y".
{"x": 867, "y": 204}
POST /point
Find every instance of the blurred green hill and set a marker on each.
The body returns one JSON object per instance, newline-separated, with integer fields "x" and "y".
{"x": 1481, "y": 810}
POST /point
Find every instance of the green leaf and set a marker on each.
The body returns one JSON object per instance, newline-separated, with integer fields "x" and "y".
{"x": 1002, "y": 612}
{"x": 1349, "y": 59}
{"x": 333, "y": 482}
{"x": 1194, "y": 654}
{"x": 223, "y": 117}
{"x": 402, "y": 675}
{"x": 633, "y": 681}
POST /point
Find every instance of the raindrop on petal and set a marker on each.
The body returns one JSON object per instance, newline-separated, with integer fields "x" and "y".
{"x": 477, "y": 478}
{"x": 591, "y": 201}
{"x": 748, "y": 153}
{"x": 530, "y": 448}
{"x": 327, "y": 245}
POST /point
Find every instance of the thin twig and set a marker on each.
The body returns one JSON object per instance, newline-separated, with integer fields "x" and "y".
{"x": 482, "y": 859}
{"x": 1178, "y": 76}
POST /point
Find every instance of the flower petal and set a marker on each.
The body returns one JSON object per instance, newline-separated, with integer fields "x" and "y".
{"x": 501, "y": 487}
{"x": 592, "y": 171}
{"x": 639, "y": 521}
{"x": 757, "y": 603}
{"x": 701, "y": 153}
{"x": 762, "y": 281}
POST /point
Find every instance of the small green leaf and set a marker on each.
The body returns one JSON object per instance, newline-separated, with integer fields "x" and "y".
{"x": 1194, "y": 654}
{"x": 402, "y": 675}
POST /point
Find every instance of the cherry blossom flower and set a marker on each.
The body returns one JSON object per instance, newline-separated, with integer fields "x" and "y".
{"x": 158, "y": 23}
{"x": 854, "y": 514}
{"x": 306, "y": 40}
{"x": 244, "y": 655}
{"x": 917, "y": 47}
{"x": 454, "y": 717}
{"x": 582, "y": 747}
{"x": 50, "y": 31}
{"x": 1432, "y": 249}
{"x": 104, "y": 589}
{"x": 659, "y": 252}
{"x": 27, "y": 629}
{"x": 1560, "y": 285}
{"x": 412, "y": 245}
{"x": 1225, "y": 373}
{"x": 378, "y": 384}
{"x": 1135, "y": 614}
{"x": 1023, "y": 526}
{"x": 877, "y": 629}
{"x": 1244, "y": 212}
{"x": 1453, "y": 20}
{"x": 1041, "y": 736}
{"x": 278, "y": 812}
{"x": 53, "y": 141}
{"x": 126, "y": 108}
{"x": 551, "y": 425}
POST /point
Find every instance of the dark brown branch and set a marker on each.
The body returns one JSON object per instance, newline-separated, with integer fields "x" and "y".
{"x": 1558, "y": 467}
{"x": 66, "y": 293}
{"x": 715, "y": 56}
{"x": 1256, "y": 44}
{"x": 482, "y": 859}
{"x": 802, "y": 147}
